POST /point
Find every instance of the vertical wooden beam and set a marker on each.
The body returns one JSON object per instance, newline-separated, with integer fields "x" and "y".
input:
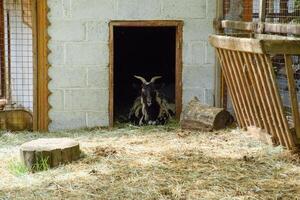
{"x": 2, "y": 52}
{"x": 42, "y": 78}
{"x": 293, "y": 93}
{"x": 262, "y": 10}
{"x": 178, "y": 81}
{"x": 220, "y": 83}
{"x": 111, "y": 75}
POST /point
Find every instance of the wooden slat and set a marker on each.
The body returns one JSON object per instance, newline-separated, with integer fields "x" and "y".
{"x": 230, "y": 86}
{"x": 240, "y": 87}
{"x": 257, "y": 99}
{"x": 236, "y": 44}
{"x": 262, "y": 27}
{"x": 242, "y": 72}
{"x": 234, "y": 91}
{"x": 223, "y": 97}
{"x": 287, "y": 135}
{"x": 273, "y": 110}
{"x": 239, "y": 25}
{"x": 259, "y": 46}
{"x": 293, "y": 93}
{"x": 253, "y": 68}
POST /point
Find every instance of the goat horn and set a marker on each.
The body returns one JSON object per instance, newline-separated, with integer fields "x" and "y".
{"x": 155, "y": 78}
{"x": 142, "y": 79}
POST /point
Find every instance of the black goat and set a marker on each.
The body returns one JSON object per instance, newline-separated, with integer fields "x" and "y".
{"x": 150, "y": 107}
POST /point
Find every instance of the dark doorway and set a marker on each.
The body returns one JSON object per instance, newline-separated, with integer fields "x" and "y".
{"x": 146, "y": 52}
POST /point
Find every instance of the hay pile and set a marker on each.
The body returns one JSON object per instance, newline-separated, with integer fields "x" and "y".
{"x": 158, "y": 163}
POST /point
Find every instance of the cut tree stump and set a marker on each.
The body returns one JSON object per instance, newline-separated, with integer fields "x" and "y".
{"x": 197, "y": 116}
{"x": 55, "y": 151}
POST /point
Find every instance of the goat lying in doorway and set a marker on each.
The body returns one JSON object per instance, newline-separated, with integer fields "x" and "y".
{"x": 150, "y": 108}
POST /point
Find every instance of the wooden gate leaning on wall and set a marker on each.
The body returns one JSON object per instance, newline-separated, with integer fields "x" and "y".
{"x": 23, "y": 65}
{"x": 261, "y": 69}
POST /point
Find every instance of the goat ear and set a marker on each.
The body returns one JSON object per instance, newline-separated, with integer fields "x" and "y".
{"x": 141, "y": 79}
{"x": 155, "y": 78}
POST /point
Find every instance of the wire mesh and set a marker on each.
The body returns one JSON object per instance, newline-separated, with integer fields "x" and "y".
{"x": 241, "y": 10}
{"x": 282, "y": 82}
{"x": 16, "y": 44}
{"x": 283, "y": 11}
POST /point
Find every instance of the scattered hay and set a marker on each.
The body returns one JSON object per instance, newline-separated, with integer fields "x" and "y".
{"x": 159, "y": 163}
{"x": 104, "y": 151}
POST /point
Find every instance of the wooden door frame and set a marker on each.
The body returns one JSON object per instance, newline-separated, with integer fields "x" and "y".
{"x": 2, "y": 52}
{"x": 147, "y": 23}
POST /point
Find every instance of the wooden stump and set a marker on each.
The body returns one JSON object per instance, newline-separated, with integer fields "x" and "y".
{"x": 205, "y": 118}
{"x": 54, "y": 151}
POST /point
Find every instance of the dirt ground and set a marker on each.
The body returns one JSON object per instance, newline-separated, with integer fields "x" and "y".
{"x": 156, "y": 163}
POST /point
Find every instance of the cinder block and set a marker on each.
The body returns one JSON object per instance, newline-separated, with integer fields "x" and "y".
{"x": 68, "y": 77}
{"x": 139, "y": 9}
{"x": 57, "y": 100}
{"x": 57, "y": 55}
{"x": 98, "y": 77}
{"x": 194, "y": 53}
{"x": 97, "y": 31}
{"x": 211, "y": 9}
{"x": 93, "y": 9}
{"x": 184, "y": 9}
{"x": 96, "y": 119}
{"x": 67, "y": 31}
{"x": 56, "y": 8}
{"x": 197, "y": 29}
{"x": 190, "y": 93}
{"x": 87, "y": 53}
{"x": 60, "y": 9}
{"x": 198, "y": 53}
{"x": 95, "y": 100}
{"x": 62, "y": 120}
{"x": 209, "y": 97}
{"x": 198, "y": 76}
{"x": 210, "y": 54}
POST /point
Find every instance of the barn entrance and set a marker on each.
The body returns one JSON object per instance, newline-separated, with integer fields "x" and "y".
{"x": 145, "y": 49}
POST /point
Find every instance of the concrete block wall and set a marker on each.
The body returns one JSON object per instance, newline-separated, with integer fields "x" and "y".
{"x": 80, "y": 54}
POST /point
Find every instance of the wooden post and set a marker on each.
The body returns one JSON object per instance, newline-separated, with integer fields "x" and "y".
{"x": 293, "y": 94}
{"x": 220, "y": 83}
{"x": 42, "y": 119}
{"x": 262, "y": 11}
{"x": 2, "y": 52}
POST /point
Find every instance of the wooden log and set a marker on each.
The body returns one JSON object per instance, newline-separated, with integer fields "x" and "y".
{"x": 54, "y": 151}
{"x": 201, "y": 117}
{"x": 16, "y": 120}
